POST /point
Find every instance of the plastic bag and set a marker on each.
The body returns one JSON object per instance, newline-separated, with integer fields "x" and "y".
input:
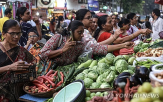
{"x": 155, "y": 81}
{"x": 157, "y": 70}
{"x": 160, "y": 59}
{"x": 86, "y": 55}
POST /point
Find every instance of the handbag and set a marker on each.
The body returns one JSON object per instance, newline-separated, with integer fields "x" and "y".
{"x": 20, "y": 76}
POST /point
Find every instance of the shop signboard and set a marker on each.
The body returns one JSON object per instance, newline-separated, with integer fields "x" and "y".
{"x": 93, "y": 5}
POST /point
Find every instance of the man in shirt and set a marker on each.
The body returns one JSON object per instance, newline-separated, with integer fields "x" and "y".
{"x": 7, "y": 16}
{"x": 157, "y": 24}
{"x": 133, "y": 21}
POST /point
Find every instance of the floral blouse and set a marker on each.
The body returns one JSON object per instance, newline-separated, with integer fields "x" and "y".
{"x": 72, "y": 54}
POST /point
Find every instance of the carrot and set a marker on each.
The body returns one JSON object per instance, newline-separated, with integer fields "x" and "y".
{"x": 50, "y": 72}
{"x": 37, "y": 81}
{"x": 40, "y": 79}
{"x": 59, "y": 83}
{"x": 47, "y": 79}
{"x": 52, "y": 79}
{"x": 50, "y": 89}
{"x": 62, "y": 77}
{"x": 41, "y": 85}
{"x": 47, "y": 69}
{"x": 55, "y": 73}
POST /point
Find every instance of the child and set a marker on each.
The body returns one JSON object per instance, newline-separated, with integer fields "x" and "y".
{"x": 33, "y": 37}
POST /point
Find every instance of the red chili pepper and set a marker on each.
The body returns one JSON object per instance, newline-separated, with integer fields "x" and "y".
{"x": 46, "y": 78}
{"x": 62, "y": 76}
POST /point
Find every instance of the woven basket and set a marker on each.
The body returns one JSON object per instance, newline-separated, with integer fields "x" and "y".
{"x": 48, "y": 94}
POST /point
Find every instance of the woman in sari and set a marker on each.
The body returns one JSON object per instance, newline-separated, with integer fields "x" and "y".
{"x": 105, "y": 26}
{"x": 20, "y": 60}
{"x": 101, "y": 48}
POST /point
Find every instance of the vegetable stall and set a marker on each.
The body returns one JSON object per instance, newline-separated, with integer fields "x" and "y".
{"x": 129, "y": 78}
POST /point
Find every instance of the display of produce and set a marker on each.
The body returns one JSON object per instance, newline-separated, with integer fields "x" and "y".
{"x": 91, "y": 95}
{"x": 147, "y": 63}
{"x": 102, "y": 73}
{"x": 156, "y": 52}
{"x": 51, "y": 81}
{"x": 147, "y": 93}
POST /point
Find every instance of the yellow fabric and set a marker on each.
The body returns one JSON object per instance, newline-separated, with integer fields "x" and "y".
{"x": 2, "y": 21}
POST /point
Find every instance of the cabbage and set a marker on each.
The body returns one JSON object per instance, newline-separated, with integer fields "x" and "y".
{"x": 100, "y": 79}
{"x": 80, "y": 76}
{"x": 136, "y": 49}
{"x": 110, "y": 77}
{"x": 145, "y": 45}
{"x": 88, "y": 82}
{"x": 130, "y": 67}
{"x": 105, "y": 74}
{"x": 86, "y": 71}
{"x": 92, "y": 75}
{"x": 109, "y": 59}
{"x": 95, "y": 85}
{"x": 117, "y": 58}
{"x": 112, "y": 68}
{"x": 93, "y": 68}
{"x": 121, "y": 65}
{"x": 126, "y": 57}
{"x": 105, "y": 85}
{"x": 102, "y": 67}
{"x": 131, "y": 60}
{"x": 130, "y": 71}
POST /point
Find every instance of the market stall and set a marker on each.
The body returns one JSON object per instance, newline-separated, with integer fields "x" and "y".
{"x": 107, "y": 78}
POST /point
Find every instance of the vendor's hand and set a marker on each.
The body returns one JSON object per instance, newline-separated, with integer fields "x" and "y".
{"x": 145, "y": 31}
{"x": 68, "y": 45}
{"x": 19, "y": 66}
{"x": 36, "y": 20}
{"x": 129, "y": 44}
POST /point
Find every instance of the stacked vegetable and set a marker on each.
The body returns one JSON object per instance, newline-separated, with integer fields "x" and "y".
{"x": 141, "y": 47}
{"x": 148, "y": 94}
{"x": 52, "y": 80}
{"x": 147, "y": 63}
{"x": 102, "y": 73}
{"x": 90, "y": 95}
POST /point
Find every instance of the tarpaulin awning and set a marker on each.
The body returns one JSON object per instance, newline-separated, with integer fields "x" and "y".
{"x": 159, "y": 2}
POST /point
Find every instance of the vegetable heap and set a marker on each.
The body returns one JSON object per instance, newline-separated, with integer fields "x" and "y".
{"x": 102, "y": 73}
{"x": 146, "y": 93}
{"x": 90, "y": 95}
{"x": 147, "y": 63}
{"x": 52, "y": 80}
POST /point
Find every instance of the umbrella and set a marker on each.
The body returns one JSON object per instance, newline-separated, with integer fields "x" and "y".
{"x": 101, "y": 14}
{"x": 159, "y": 2}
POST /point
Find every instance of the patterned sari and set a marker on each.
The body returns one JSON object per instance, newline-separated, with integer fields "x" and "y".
{"x": 10, "y": 92}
